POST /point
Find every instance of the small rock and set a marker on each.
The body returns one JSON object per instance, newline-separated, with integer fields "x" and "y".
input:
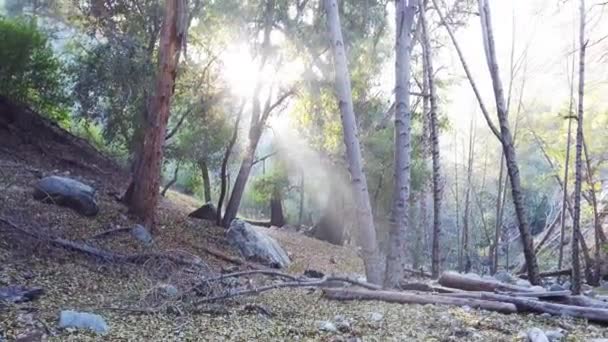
{"x": 83, "y": 320}
{"x": 555, "y": 335}
{"x": 332, "y": 260}
{"x": 167, "y": 290}
{"x": 314, "y": 274}
{"x": 537, "y": 335}
{"x": 567, "y": 285}
{"x": 342, "y": 323}
{"x": 30, "y": 336}
{"x": 556, "y": 287}
{"x": 523, "y": 283}
{"x": 327, "y": 326}
{"x": 545, "y": 315}
{"x": 505, "y": 277}
{"x": 375, "y": 316}
{"x": 537, "y": 288}
{"x": 140, "y": 233}
{"x": 466, "y": 308}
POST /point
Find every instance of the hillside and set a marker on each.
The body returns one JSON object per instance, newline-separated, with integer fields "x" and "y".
{"x": 129, "y": 296}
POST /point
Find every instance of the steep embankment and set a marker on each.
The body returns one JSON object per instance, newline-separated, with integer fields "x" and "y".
{"x": 31, "y": 147}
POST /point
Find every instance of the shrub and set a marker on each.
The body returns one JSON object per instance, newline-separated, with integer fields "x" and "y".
{"x": 30, "y": 73}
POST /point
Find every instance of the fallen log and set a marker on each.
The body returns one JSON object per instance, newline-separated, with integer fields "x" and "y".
{"x": 583, "y": 301}
{"x": 424, "y": 287}
{"x": 556, "y": 273}
{"x": 459, "y": 281}
{"x": 530, "y": 305}
{"x": 539, "y": 294}
{"x": 411, "y": 298}
{"x": 419, "y": 273}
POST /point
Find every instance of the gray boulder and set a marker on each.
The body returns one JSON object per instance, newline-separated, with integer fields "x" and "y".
{"x": 254, "y": 244}
{"x": 67, "y": 192}
{"x": 556, "y": 287}
{"x": 504, "y": 277}
{"x": 206, "y": 212}
{"x": 83, "y": 320}
{"x": 523, "y": 283}
{"x": 537, "y": 335}
{"x": 140, "y": 233}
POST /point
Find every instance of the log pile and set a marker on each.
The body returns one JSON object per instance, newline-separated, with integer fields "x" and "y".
{"x": 461, "y": 290}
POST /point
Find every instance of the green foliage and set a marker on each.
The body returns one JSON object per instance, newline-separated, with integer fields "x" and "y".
{"x": 30, "y": 73}
{"x": 266, "y": 185}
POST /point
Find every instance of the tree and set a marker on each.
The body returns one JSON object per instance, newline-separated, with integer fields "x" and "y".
{"x": 578, "y": 158}
{"x": 367, "y": 230}
{"x": 429, "y": 76}
{"x": 143, "y": 198}
{"x": 396, "y": 258}
{"x": 259, "y": 116}
{"x": 30, "y": 72}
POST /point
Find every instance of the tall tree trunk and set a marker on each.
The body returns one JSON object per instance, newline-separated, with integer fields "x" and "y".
{"x": 301, "y": 209}
{"x": 224, "y": 181}
{"x": 202, "y": 164}
{"x": 258, "y": 122}
{"x": 456, "y": 197}
{"x": 277, "y": 218}
{"x": 562, "y": 235}
{"x": 597, "y": 225}
{"x": 498, "y": 220}
{"x": 143, "y": 198}
{"x": 507, "y": 143}
{"x": 576, "y": 267}
{"x": 434, "y": 130}
{"x": 396, "y": 257}
{"x": 467, "y": 202}
{"x": 367, "y": 230}
{"x": 172, "y": 181}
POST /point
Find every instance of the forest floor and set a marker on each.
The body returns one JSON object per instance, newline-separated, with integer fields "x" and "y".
{"x": 73, "y": 281}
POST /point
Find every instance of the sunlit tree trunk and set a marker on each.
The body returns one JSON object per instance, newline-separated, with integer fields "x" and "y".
{"x": 224, "y": 177}
{"x": 498, "y": 219}
{"x": 467, "y": 202}
{"x": 434, "y": 138}
{"x": 562, "y": 235}
{"x": 507, "y": 144}
{"x": 597, "y": 225}
{"x": 367, "y": 230}
{"x": 576, "y": 268}
{"x": 202, "y": 164}
{"x": 172, "y": 181}
{"x": 143, "y": 198}
{"x": 396, "y": 257}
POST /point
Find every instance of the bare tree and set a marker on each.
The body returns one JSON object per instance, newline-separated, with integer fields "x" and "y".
{"x": 467, "y": 203}
{"x": 429, "y": 76}
{"x": 566, "y": 172}
{"x": 259, "y": 116}
{"x": 504, "y": 135}
{"x": 396, "y": 258}
{"x": 367, "y": 230}
{"x": 224, "y": 180}
{"x": 576, "y": 267}
{"x": 143, "y": 197}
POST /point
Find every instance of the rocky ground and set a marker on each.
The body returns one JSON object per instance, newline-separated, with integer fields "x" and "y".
{"x": 139, "y": 302}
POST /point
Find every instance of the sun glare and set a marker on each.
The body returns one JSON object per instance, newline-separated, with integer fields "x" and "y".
{"x": 240, "y": 70}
